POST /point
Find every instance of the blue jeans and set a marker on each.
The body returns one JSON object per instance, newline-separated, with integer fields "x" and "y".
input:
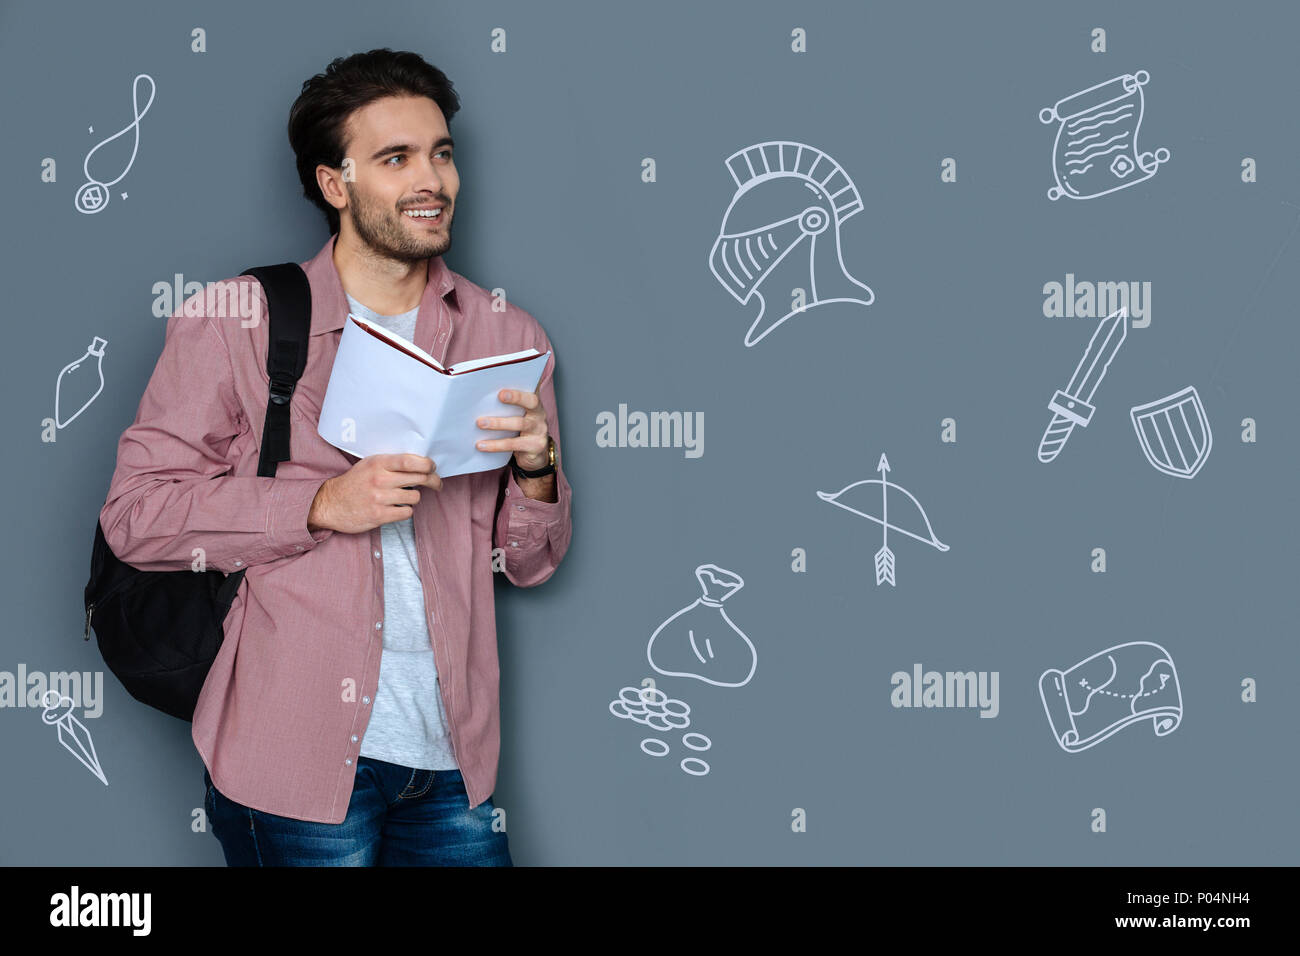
{"x": 397, "y": 816}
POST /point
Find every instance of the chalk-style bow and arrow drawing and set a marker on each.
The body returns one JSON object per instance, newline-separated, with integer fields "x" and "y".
{"x": 885, "y": 556}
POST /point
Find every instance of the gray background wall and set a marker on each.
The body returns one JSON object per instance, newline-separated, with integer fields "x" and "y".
{"x": 550, "y": 144}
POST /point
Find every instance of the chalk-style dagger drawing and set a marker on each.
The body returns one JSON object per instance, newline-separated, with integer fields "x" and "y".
{"x": 1073, "y": 405}
{"x": 72, "y": 733}
{"x": 885, "y": 556}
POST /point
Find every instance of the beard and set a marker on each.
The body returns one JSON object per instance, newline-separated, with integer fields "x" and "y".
{"x": 383, "y": 231}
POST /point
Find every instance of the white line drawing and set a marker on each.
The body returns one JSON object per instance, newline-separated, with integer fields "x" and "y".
{"x": 1178, "y": 427}
{"x": 696, "y": 642}
{"x": 688, "y": 740}
{"x": 1096, "y": 142}
{"x": 695, "y": 762}
{"x": 885, "y": 556}
{"x": 80, "y": 384}
{"x": 1110, "y": 690}
{"x": 786, "y": 191}
{"x": 655, "y": 743}
{"x": 93, "y": 196}
{"x": 72, "y": 733}
{"x": 1072, "y": 406}
{"x": 652, "y": 707}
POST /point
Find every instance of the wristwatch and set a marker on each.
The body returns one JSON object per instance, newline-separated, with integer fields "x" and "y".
{"x": 547, "y": 469}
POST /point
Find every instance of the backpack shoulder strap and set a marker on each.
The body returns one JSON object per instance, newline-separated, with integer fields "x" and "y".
{"x": 288, "y": 297}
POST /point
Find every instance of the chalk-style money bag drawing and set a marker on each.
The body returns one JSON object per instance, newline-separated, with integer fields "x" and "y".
{"x": 1116, "y": 687}
{"x": 57, "y": 712}
{"x": 79, "y": 382}
{"x": 700, "y": 641}
{"x": 94, "y": 194}
{"x": 1072, "y": 405}
{"x": 1174, "y": 433}
{"x": 790, "y": 201}
{"x": 1096, "y": 142}
{"x": 860, "y": 502}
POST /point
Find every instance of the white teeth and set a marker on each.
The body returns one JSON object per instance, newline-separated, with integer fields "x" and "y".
{"x": 423, "y": 213}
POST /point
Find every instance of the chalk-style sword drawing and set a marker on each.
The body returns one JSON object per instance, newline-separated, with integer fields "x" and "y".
{"x": 1073, "y": 405}
{"x": 885, "y": 556}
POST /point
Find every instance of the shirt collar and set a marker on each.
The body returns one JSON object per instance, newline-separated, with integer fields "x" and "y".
{"x": 329, "y": 303}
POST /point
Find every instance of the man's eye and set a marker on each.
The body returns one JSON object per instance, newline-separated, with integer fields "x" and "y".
{"x": 391, "y": 158}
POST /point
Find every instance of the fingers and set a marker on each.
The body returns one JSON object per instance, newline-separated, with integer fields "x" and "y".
{"x": 514, "y": 397}
{"x": 514, "y": 423}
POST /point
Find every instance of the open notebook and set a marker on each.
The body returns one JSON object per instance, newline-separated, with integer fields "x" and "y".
{"x": 388, "y": 396}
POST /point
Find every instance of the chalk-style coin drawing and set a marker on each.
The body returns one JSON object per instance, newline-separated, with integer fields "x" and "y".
{"x": 652, "y": 745}
{"x": 1174, "y": 433}
{"x": 94, "y": 194}
{"x": 885, "y": 556}
{"x": 72, "y": 733}
{"x": 695, "y": 766}
{"x": 652, "y": 707}
{"x": 786, "y": 192}
{"x": 1110, "y": 690}
{"x": 694, "y": 741}
{"x": 700, "y": 641}
{"x": 1096, "y": 142}
{"x": 1073, "y": 405}
{"x": 83, "y": 377}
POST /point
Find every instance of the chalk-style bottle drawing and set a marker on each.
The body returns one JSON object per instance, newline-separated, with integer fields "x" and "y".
{"x": 700, "y": 641}
{"x": 84, "y": 377}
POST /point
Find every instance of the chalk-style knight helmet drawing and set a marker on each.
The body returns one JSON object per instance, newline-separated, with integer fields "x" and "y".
{"x": 788, "y": 195}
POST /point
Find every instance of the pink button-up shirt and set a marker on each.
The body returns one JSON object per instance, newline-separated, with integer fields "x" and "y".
{"x": 281, "y": 718}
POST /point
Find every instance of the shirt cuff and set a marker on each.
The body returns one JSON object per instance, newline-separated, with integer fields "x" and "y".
{"x": 286, "y": 519}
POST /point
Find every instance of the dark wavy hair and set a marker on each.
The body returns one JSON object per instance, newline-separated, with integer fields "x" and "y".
{"x": 318, "y": 115}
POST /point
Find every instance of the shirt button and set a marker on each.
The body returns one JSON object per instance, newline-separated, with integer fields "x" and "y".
{"x": 519, "y": 507}
{"x": 365, "y": 700}
{"x": 348, "y": 762}
{"x": 378, "y": 625}
{"x": 377, "y": 554}
{"x": 239, "y": 564}
{"x": 354, "y": 738}
{"x": 297, "y": 547}
{"x": 514, "y": 544}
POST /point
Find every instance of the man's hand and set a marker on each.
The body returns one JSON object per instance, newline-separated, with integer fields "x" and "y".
{"x": 530, "y": 446}
{"x": 374, "y": 491}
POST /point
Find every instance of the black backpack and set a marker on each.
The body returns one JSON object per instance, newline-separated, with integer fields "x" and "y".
{"x": 159, "y": 631}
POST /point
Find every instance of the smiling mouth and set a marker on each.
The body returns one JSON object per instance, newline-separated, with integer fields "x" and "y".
{"x": 423, "y": 216}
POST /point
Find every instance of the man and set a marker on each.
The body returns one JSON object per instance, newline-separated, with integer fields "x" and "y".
{"x": 351, "y": 716}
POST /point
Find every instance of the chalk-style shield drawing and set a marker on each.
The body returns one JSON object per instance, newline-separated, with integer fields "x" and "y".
{"x": 1174, "y": 433}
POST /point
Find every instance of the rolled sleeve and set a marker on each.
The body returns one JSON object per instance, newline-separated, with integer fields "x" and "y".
{"x": 533, "y": 534}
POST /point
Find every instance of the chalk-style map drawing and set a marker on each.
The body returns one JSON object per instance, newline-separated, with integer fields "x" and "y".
{"x": 786, "y": 193}
{"x": 72, "y": 733}
{"x": 1096, "y": 142}
{"x": 93, "y": 196}
{"x": 1116, "y": 687}
{"x": 700, "y": 641}
{"x": 885, "y": 556}
{"x": 1174, "y": 433}
{"x": 83, "y": 377}
{"x": 1073, "y": 405}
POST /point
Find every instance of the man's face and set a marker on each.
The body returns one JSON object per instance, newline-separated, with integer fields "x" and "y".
{"x": 402, "y": 159}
